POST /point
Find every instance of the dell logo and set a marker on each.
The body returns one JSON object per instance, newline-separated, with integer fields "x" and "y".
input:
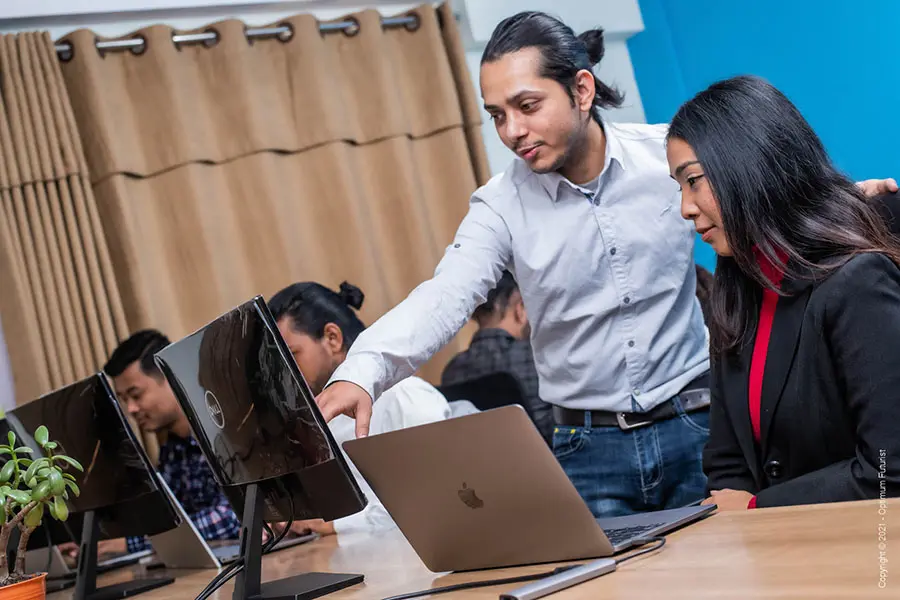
{"x": 469, "y": 497}
{"x": 215, "y": 410}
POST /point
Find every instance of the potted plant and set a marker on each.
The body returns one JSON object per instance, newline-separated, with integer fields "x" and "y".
{"x": 30, "y": 488}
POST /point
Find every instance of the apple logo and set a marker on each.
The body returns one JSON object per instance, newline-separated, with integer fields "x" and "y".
{"x": 469, "y": 498}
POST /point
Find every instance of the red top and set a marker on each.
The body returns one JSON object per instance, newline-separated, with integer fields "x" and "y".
{"x": 761, "y": 345}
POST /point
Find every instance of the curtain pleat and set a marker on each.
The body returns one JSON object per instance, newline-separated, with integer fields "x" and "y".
{"x": 62, "y": 314}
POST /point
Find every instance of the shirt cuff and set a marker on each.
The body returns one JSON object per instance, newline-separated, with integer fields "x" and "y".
{"x": 752, "y": 503}
{"x": 362, "y": 370}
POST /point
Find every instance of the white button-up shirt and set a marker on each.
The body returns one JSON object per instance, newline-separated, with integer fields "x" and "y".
{"x": 607, "y": 279}
{"x": 410, "y": 403}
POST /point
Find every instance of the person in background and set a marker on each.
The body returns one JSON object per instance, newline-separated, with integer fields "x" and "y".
{"x": 319, "y": 325}
{"x": 502, "y": 345}
{"x": 805, "y": 309}
{"x": 147, "y": 397}
{"x": 587, "y": 220}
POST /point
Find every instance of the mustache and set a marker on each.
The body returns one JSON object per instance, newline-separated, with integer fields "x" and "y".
{"x": 529, "y": 145}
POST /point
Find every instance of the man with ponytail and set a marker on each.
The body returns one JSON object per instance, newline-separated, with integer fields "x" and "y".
{"x": 587, "y": 219}
{"x": 319, "y": 325}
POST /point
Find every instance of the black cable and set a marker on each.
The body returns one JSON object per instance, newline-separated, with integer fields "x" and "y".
{"x": 234, "y": 568}
{"x": 220, "y": 579}
{"x": 479, "y": 584}
{"x": 660, "y": 542}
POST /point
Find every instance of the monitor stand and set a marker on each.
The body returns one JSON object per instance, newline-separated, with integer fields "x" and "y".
{"x": 86, "y": 577}
{"x": 247, "y": 584}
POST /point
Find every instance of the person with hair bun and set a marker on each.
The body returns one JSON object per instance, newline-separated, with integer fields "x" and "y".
{"x": 587, "y": 220}
{"x": 319, "y": 325}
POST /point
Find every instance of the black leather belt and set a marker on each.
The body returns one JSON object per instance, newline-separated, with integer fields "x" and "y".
{"x": 692, "y": 398}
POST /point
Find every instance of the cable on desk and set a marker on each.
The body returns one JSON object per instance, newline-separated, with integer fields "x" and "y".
{"x": 660, "y": 542}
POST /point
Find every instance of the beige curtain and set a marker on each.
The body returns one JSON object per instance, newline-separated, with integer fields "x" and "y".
{"x": 234, "y": 168}
{"x": 60, "y": 304}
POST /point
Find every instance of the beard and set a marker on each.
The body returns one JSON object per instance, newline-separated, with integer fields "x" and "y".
{"x": 575, "y": 144}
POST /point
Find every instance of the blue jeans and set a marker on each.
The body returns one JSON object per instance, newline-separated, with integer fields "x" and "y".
{"x": 654, "y": 467}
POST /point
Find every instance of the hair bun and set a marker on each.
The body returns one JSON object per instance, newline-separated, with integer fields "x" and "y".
{"x": 351, "y": 295}
{"x": 593, "y": 43}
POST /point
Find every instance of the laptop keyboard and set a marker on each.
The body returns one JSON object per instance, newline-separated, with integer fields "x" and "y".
{"x": 623, "y": 534}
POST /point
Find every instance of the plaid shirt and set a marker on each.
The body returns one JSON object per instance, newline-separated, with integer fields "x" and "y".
{"x": 497, "y": 351}
{"x": 183, "y": 466}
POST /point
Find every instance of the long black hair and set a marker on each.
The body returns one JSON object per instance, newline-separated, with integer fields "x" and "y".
{"x": 311, "y": 306}
{"x": 778, "y": 192}
{"x": 563, "y": 54}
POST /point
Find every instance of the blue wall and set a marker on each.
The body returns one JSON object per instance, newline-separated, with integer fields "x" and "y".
{"x": 838, "y": 61}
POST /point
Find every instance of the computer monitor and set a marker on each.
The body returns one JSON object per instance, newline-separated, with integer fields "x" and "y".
{"x": 120, "y": 494}
{"x": 257, "y": 422}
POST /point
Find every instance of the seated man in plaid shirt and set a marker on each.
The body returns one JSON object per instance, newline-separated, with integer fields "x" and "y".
{"x": 141, "y": 386}
{"x": 502, "y": 345}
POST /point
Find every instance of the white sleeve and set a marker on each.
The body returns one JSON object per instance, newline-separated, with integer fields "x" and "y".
{"x": 372, "y": 519}
{"x": 407, "y": 336}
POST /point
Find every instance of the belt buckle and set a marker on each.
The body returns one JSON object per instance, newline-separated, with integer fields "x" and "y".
{"x": 626, "y": 426}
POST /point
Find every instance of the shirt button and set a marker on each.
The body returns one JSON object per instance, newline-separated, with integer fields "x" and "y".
{"x": 627, "y": 300}
{"x": 612, "y": 251}
{"x": 637, "y": 392}
{"x": 631, "y": 344}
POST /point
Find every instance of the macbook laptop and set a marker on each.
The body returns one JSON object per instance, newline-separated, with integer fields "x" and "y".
{"x": 484, "y": 491}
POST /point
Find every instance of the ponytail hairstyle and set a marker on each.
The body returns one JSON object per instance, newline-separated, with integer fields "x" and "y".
{"x": 311, "y": 306}
{"x": 563, "y": 54}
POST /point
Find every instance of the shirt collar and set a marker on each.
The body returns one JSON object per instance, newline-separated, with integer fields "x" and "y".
{"x": 490, "y": 333}
{"x": 552, "y": 182}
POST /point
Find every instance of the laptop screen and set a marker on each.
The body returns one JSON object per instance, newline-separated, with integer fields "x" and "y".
{"x": 250, "y": 411}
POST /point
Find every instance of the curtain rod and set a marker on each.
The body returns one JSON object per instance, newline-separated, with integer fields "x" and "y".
{"x": 209, "y": 37}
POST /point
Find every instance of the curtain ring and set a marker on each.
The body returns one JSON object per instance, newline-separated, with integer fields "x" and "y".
{"x": 65, "y": 50}
{"x": 215, "y": 40}
{"x": 139, "y": 49}
{"x": 288, "y": 35}
{"x": 352, "y": 29}
{"x": 415, "y": 23}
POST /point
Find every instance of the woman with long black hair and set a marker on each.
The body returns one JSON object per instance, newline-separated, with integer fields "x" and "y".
{"x": 805, "y": 308}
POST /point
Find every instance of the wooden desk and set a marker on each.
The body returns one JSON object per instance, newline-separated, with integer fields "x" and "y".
{"x": 812, "y": 552}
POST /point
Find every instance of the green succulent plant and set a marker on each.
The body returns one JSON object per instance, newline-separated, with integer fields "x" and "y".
{"x": 29, "y": 488}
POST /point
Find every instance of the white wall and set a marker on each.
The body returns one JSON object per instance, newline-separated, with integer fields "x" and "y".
{"x": 7, "y": 395}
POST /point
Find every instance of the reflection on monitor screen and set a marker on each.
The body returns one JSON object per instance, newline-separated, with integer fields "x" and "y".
{"x": 86, "y": 421}
{"x": 255, "y": 416}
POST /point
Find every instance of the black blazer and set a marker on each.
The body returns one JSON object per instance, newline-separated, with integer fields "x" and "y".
{"x": 830, "y": 407}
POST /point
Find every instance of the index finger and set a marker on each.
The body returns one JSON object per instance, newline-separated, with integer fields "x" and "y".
{"x": 363, "y": 418}
{"x": 327, "y": 406}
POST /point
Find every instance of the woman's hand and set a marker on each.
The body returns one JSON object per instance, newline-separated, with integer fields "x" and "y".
{"x": 877, "y": 187}
{"x": 729, "y": 499}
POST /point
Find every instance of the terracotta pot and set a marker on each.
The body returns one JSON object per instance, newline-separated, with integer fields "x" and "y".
{"x": 32, "y": 589}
